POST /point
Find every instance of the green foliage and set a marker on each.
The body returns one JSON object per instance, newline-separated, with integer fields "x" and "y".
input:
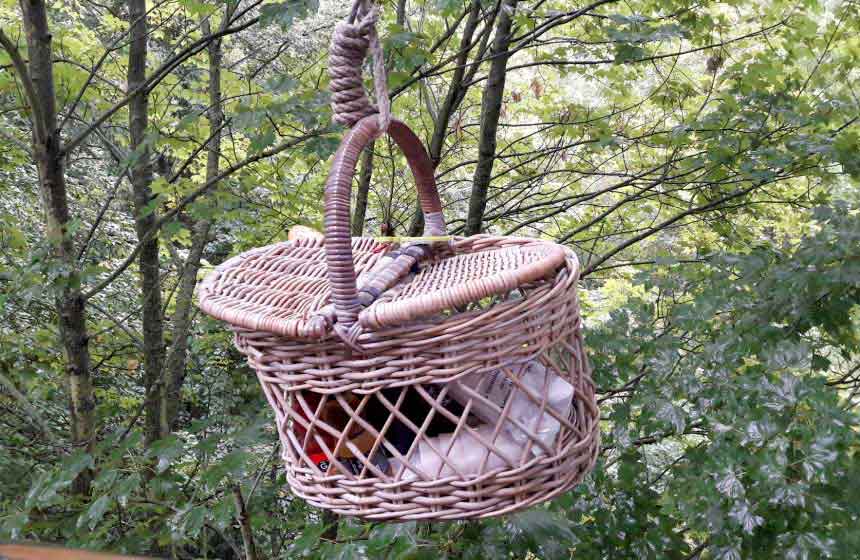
{"x": 700, "y": 158}
{"x": 283, "y": 13}
{"x": 764, "y": 450}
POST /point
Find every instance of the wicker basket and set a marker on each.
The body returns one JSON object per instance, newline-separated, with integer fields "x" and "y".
{"x": 362, "y": 373}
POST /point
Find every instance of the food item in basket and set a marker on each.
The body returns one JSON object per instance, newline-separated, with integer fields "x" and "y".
{"x": 352, "y": 462}
{"x": 335, "y": 416}
{"x": 463, "y": 454}
{"x": 497, "y": 388}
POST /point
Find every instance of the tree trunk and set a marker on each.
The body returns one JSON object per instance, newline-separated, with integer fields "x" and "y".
{"x": 456, "y": 92}
{"x": 455, "y": 88}
{"x": 244, "y": 524}
{"x": 491, "y": 105}
{"x": 177, "y": 359}
{"x": 144, "y": 220}
{"x": 401, "y": 12}
{"x": 358, "y": 215}
{"x": 70, "y": 304}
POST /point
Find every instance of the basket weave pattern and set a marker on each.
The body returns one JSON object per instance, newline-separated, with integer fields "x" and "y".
{"x": 542, "y": 323}
{"x": 372, "y": 356}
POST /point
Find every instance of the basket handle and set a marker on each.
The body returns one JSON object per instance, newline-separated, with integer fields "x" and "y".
{"x": 338, "y": 240}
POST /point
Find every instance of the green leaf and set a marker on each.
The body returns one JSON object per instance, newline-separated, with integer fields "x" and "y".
{"x": 165, "y": 451}
{"x": 398, "y": 38}
{"x": 541, "y": 529}
{"x": 125, "y": 488}
{"x": 397, "y": 78}
{"x": 449, "y": 7}
{"x": 820, "y": 363}
{"x": 12, "y": 526}
{"x": 263, "y": 140}
{"x": 307, "y": 542}
{"x": 281, "y": 84}
{"x": 283, "y": 13}
{"x": 94, "y": 513}
{"x": 230, "y": 466}
{"x": 625, "y": 53}
{"x": 197, "y": 7}
{"x": 399, "y": 540}
{"x": 150, "y": 207}
{"x": 189, "y": 521}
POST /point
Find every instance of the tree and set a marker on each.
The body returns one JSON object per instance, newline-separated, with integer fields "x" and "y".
{"x": 48, "y": 153}
{"x": 491, "y": 106}
{"x": 701, "y": 161}
{"x": 144, "y": 218}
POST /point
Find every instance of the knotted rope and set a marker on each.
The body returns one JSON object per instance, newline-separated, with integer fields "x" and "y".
{"x": 349, "y": 45}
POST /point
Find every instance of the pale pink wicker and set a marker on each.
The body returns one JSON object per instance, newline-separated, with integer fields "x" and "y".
{"x": 477, "y": 304}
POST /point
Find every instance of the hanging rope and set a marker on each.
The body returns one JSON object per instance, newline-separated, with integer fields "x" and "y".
{"x": 349, "y": 45}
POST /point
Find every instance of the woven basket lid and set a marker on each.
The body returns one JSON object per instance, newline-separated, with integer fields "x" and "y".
{"x": 283, "y": 288}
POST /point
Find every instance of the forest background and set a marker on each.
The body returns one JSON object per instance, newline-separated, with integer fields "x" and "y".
{"x": 700, "y": 157}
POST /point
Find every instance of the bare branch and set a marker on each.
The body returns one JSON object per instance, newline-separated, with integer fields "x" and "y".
{"x": 191, "y": 197}
{"x": 155, "y": 78}
{"x": 666, "y": 223}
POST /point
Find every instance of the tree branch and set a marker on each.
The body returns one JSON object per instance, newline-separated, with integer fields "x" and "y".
{"x": 666, "y": 223}
{"x": 191, "y": 197}
{"x": 244, "y": 524}
{"x": 155, "y": 78}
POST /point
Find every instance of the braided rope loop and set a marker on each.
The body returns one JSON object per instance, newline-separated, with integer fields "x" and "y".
{"x": 349, "y": 45}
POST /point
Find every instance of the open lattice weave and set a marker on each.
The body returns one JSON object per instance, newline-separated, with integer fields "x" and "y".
{"x": 397, "y": 432}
